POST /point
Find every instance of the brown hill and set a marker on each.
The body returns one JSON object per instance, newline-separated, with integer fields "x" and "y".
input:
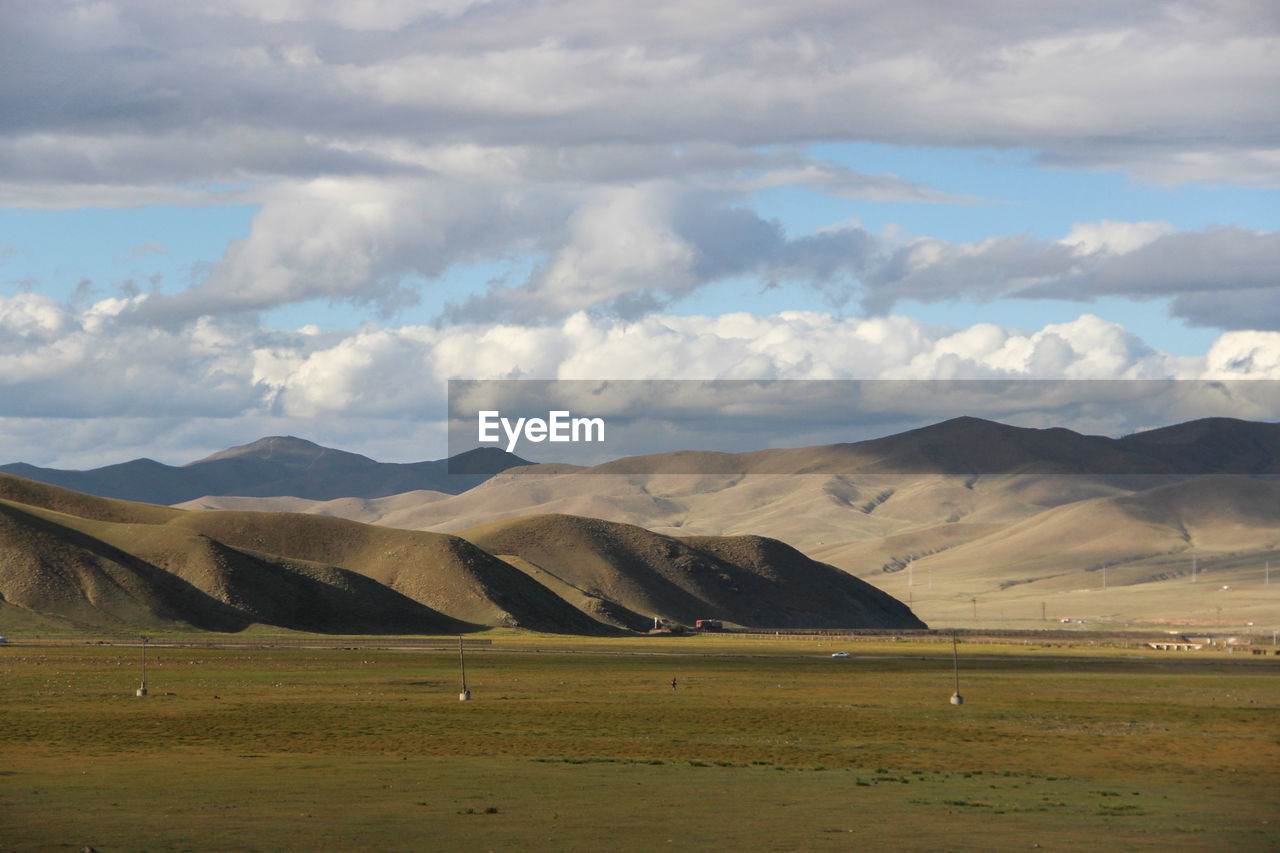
{"x": 111, "y": 573}
{"x": 874, "y": 525}
{"x": 1190, "y": 552}
{"x": 1208, "y": 513}
{"x": 149, "y": 565}
{"x": 443, "y": 572}
{"x": 68, "y": 502}
{"x": 51, "y": 569}
{"x": 94, "y": 561}
{"x": 593, "y": 604}
{"x": 746, "y": 580}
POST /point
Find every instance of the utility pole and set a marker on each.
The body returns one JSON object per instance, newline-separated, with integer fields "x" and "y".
{"x": 956, "y": 698}
{"x": 142, "y": 691}
{"x": 465, "y": 695}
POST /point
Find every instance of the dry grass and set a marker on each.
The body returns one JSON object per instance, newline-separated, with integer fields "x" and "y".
{"x": 570, "y": 744}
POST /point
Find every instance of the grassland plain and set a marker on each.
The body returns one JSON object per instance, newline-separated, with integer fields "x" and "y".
{"x": 574, "y": 744}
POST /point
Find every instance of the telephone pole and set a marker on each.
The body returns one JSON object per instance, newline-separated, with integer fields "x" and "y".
{"x": 465, "y": 695}
{"x": 956, "y": 698}
{"x": 142, "y": 691}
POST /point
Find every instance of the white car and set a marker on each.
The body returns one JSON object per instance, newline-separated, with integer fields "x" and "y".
{"x": 839, "y": 654}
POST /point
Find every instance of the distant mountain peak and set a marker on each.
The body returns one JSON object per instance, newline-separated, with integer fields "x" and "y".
{"x": 277, "y": 465}
{"x": 277, "y": 448}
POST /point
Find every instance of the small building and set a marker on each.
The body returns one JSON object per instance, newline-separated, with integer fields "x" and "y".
{"x": 1175, "y": 645}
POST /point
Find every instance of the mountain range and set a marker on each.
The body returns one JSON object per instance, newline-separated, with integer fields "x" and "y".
{"x": 286, "y": 466}
{"x": 278, "y": 465}
{"x": 968, "y": 521}
{"x": 70, "y": 559}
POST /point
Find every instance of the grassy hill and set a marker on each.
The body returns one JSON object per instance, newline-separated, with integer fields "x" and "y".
{"x": 1192, "y": 553}
{"x": 94, "y": 562}
{"x": 745, "y": 580}
{"x": 1008, "y": 527}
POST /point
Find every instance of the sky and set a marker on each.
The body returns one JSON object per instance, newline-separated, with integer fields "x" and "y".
{"x": 238, "y": 218}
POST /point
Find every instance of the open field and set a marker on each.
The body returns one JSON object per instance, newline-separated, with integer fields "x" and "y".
{"x": 575, "y": 744}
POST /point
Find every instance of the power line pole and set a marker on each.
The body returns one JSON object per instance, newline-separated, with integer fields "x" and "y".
{"x": 142, "y": 691}
{"x": 465, "y": 695}
{"x": 956, "y": 698}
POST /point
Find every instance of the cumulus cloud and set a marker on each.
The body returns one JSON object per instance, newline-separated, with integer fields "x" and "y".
{"x": 617, "y": 149}
{"x": 627, "y": 249}
{"x": 55, "y": 362}
{"x": 638, "y": 246}
{"x": 359, "y": 241}
{"x": 67, "y": 376}
{"x": 1248, "y": 355}
{"x": 614, "y": 151}
{"x": 1087, "y": 238}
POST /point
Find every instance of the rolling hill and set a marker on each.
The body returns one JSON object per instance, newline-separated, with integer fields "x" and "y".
{"x": 1008, "y": 526}
{"x": 103, "y": 563}
{"x": 747, "y": 580}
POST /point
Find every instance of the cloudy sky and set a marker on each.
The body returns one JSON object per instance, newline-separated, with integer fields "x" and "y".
{"x": 234, "y": 218}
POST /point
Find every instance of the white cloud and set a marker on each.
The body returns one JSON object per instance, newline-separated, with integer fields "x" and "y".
{"x": 30, "y": 316}
{"x": 1087, "y": 238}
{"x": 70, "y": 378}
{"x": 56, "y": 363}
{"x": 393, "y": 372}
{"x": 1248, "y": 355}
{"x": 361, "y": 241}
{"x": 617, "y": 148}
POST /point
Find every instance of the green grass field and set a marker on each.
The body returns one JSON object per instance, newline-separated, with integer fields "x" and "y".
{"x": 574, "y": 744}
